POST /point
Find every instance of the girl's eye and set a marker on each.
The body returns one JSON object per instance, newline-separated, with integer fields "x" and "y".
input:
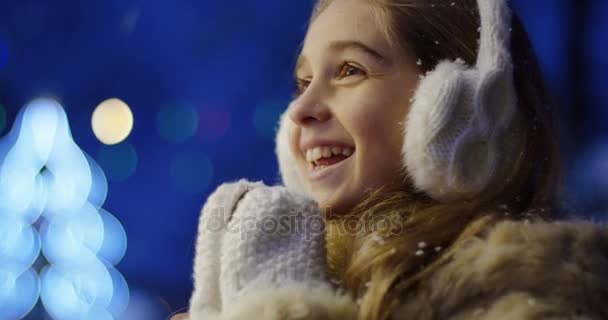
{"x": 348, "y": 70}
{"x": 300, "y": 87}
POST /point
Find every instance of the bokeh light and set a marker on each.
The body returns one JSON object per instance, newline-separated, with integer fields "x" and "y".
{"x": 76, "y": 293}
{"x": 266, "y": 117}
{"x": 177, "y": 123}
{"x": 114, "y": 245}
{"x": 214, "y": 123}
{"x": 191, "y": 171}
{"x": 43, "y": 172}
{"x": 23, "y": 291}
{"x": 99, "y": 191}
{"x": 20, "y": 242}
{"x": 4, "y": 53}
{"x": 112, "y": 121}
{"x": 118, "y": 161}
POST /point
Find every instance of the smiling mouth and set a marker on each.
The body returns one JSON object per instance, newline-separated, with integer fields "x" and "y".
{"x": 325, "y": 167}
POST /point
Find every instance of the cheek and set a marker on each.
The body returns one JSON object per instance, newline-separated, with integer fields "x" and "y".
{"x": 379, "y": 136}
{"x": 366, "y": 121}
{"x": 378, "y": 113}
{"x": 378, "y": 127}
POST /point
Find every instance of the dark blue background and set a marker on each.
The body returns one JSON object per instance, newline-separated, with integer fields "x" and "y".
{"x": 228, "y": 65}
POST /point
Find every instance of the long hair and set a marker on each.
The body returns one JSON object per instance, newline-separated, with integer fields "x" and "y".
{"x": 406, "y": 234}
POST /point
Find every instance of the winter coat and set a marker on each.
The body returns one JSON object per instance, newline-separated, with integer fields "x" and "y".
{"x": 517, "y": 270}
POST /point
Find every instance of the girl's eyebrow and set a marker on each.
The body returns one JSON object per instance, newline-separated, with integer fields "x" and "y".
{"x": 343, "y": 45}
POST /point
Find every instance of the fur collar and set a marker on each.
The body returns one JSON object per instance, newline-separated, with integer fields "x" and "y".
{"x": 520, "y": 271}
{"x": 544, "y": 270}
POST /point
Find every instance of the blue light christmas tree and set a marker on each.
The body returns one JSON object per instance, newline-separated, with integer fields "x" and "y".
{"x": 51, "y": 197}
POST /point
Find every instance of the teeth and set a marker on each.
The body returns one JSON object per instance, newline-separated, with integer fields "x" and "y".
{"x": 317, "y": 153}
{"x": 309, "y": 155}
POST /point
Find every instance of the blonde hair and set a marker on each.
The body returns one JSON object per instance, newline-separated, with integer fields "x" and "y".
{"x": 378, "y": 264}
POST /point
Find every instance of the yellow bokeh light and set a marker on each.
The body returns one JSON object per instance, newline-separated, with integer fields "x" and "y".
{"x": 112, "y": 121}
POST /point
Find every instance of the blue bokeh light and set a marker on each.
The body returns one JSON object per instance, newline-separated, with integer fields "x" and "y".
{"x": 119, "y": 161}
{"x": 45, "y": 177}
{"x": 75, "y": 238}
{"x": 114, "y": 244}
{"x": 18, "y": 292}
{"x": 99, "y": 190}
{"x": 177, "y": 124}
{"x": 266, "y": 117}
{"x": 76, "y": 293}
{"x": 19, "y": 243}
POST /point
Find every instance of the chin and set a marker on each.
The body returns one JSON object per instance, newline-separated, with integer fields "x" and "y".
{"x": 336, "y": 207}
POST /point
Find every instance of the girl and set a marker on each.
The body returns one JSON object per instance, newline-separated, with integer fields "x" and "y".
{"x": 420, "y": 135}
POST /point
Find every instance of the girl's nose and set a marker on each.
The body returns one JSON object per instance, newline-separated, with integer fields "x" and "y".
{"x": 306, "y": 111}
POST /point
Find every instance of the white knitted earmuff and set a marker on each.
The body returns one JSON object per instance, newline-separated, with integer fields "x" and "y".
{"x": 456, "y": 142}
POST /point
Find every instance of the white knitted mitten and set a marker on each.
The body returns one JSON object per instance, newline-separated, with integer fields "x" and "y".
{"x": 254, "y": 237}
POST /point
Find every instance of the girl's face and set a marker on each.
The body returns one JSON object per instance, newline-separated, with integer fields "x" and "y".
{"x": 354, "y": 93}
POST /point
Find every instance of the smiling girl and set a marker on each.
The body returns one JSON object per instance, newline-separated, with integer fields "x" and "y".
{"x": 426, "y": 122}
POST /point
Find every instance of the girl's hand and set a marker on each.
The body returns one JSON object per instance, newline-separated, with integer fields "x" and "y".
{"x": 253, "y": 237}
